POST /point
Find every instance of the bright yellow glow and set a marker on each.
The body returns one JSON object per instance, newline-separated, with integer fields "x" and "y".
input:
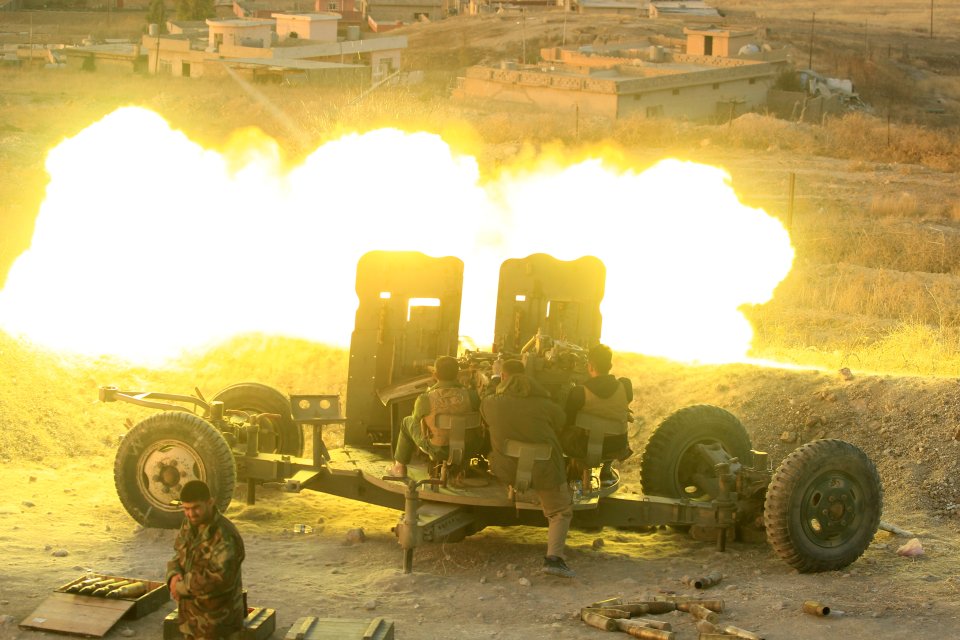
{"x": 147, "y": 243}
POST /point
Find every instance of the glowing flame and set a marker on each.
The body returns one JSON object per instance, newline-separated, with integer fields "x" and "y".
{"x": 147, "y": 243}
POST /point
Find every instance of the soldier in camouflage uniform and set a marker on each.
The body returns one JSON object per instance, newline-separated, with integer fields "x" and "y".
{"x": 417, "y": 431}
{"x": 204, "y": 574}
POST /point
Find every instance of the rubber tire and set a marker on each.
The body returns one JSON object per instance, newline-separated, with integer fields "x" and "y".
{"x": 675, "y": 436}
{"x": 809, "y": 466}
{"x": 260, "y": 398}
{"x": 217, "y": 467}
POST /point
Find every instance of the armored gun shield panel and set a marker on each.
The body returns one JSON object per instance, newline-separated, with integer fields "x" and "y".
{"x": 409, "y": 314}
{"x": 558, "y": 298}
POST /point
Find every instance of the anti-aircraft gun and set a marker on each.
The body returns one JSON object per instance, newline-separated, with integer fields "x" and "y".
{"x": 819, "y": 510}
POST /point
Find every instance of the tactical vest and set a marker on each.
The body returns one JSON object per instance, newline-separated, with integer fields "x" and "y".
{"x": 615, "y": 407}
{"x": 448, "y": 400}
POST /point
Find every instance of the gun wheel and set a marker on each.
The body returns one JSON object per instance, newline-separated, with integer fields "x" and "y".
{"x": 672, "y": 466}
{"x": 161, "y": 454}
{"x": 823, "y": 506}
{"x": 278, "y": 435}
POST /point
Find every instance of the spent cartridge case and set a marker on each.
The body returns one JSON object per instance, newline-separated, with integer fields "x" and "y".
{"x": 654, "y": 624}
{"x": 132, "y": 590}
{"x": 704, "y": 626}
{"x": 655, "y": 607}
{"x": 647, "y": 633}
{"x": 702, "y": 613}
{"x": 737, "y": 632}
{"x": 102, "y": 591}
{"x": 609, "y": 612}
{"x": 713, "y": 636}
{"x": 707, "y": 581}
{"x": 609, "y": 602}
{"x": 598, "y": 621}
{"x": 815, "y": 608}
{"x": 713, "y": 605}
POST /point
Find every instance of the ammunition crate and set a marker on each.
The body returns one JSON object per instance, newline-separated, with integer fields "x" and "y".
{"x": 156, "y": 596}
{"x": 258, "y": 625}
{"x": 310, "y": 628}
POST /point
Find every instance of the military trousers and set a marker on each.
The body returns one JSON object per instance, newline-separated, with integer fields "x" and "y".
{"x": 557, "y": 504}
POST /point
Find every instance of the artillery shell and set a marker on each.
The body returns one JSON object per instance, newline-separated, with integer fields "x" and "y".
{"x": 708, "y": 580}
{"x": 609, "y": 612}
{"x": 655, "y": 607}
{"x": 132, "y": 590}
{"x": 598, "y": 621}
{"x": 707, "y": 627}
{"x": 83, "y": 583}
{"x": 609, "y": 602}
{"x": 815, "y": 608}
{"x": 702, "y": 613}
{"x": 737, "y": 632}
{"x": 713, "y": 605}
{"x": 102, "y": 591}
{"x": 90, "y": 588}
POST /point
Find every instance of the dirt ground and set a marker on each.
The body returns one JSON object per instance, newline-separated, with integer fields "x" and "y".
{"x": 489, "y": 585}
{"x": 57, "y": 445}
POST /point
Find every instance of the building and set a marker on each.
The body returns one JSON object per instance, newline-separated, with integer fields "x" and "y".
{"x": 409, "y": 11}
{"x": 621, "y": 81}
{"x": 318, "y": 27}
{"x": 714, "y": 41}
{"x": 252, "y": 47}
{"x": 684, "y": 9}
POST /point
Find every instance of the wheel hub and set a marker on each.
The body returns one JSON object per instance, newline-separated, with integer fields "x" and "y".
{"x": 830, "y": 508}
{"x": 165, "y": 468}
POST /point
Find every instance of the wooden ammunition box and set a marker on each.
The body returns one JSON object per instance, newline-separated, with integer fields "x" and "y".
{"x": 93, "y": 616}
{"x": 258, "y": 625}
{"x": 310, "y": 628}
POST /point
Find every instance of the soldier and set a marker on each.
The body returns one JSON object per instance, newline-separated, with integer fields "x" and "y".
{"x": 605, "y": 396}
{"x": 417, "y": 431}
{"x": 521, "y": 410}
{"x": 204, "y": 574}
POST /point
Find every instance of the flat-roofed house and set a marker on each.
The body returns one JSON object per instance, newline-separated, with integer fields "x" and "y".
{"x": 241, "y": 32}
{"x": 714, "y": 41}
{"x": 317, "y": 27}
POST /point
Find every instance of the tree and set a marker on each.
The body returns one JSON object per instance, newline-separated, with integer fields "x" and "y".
{"x": 195, "y": 9}
{"x": 157, "y": 14}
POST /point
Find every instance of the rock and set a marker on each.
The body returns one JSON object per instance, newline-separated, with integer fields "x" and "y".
{"x": 356, "y": 535}
{"x": 60, "y": 553}
{"x": 370, "y": 605}
{"x": 511, "y": 567}
{"x": 788, "y": 437}
{"x": 28, "y": 504}
{"x": 813, "y": 421}
{"x": 501, "y": 573}
{"x": 336, "y": 571}
{"x": 598, "y": 543}
{"x": 483, "y": 579}
{"x": 524, "y": 582}
{"x": 911, "y": 549}
{"x": 127, "y": 633}
{"x": 7, "y": 620}
{"x": 32, "y": 479}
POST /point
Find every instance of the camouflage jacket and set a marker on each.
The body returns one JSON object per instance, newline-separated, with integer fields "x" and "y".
{"x": 211, "y": 591}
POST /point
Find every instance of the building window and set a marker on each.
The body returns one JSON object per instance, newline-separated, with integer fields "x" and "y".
{"x": 637, "y": 96}
{"x": 716, "y": 85}
{"x": 753, "y": 81}
{"x": 655, "y": 111}
{"x": 676, "y": 92}
{"x": 333, "y": 6}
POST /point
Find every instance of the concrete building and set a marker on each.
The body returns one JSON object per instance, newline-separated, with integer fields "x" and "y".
{"x": 317, "y": 27}
{"x": 244, "y": 50}
{"x": 714, "y": 41}
{"x": 240, "y": 33}
{"x": 409, "y": 11}
{"x": 684, "y": 9}
{"x": 648, "y": 82}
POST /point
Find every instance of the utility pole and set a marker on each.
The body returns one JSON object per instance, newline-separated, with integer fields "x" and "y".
{"x": 813, "y": 21}
{"x": 931, "y": 18}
